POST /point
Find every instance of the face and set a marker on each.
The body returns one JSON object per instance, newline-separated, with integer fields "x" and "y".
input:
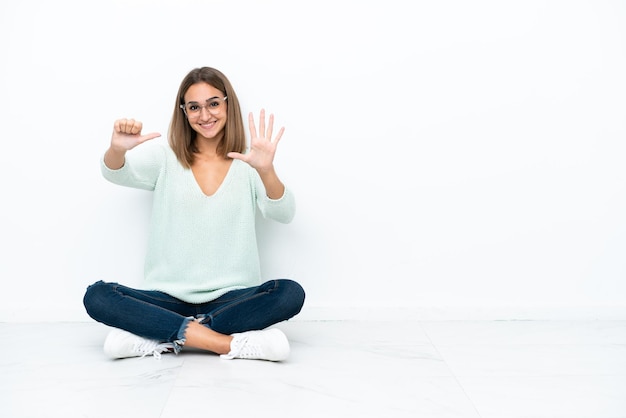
{"x": 205, "y": 108}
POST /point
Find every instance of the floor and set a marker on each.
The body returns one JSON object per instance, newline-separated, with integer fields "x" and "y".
{"x": 470, "y": 369}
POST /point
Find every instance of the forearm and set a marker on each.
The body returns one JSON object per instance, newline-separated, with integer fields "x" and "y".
{"x": 274, "y": 188}
{"x": 114, "y": 159}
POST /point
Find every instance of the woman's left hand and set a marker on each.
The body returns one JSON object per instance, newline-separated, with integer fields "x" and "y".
{"x": 262, "y": 146}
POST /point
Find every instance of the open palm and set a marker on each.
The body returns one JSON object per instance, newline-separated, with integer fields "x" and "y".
{"x": 262, "y": 146}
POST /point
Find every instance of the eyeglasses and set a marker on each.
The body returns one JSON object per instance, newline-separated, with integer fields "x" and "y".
{"x": 214, "y": 105}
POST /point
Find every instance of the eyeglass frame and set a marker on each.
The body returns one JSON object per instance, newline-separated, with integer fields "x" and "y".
{"x": 204, "y": 106}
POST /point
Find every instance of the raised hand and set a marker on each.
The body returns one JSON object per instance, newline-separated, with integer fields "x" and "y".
{"x": 262, "y": 146}
{"x": 127, "y": 135}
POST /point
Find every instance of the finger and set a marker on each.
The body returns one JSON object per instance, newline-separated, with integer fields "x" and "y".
{"x": 270, "y": 127}
{"x": 279, "y": 135}
{"x": 262, "y": 123}
{"x": 136, "y": 127}
{"x": 128, "y": 126}
{"x": 251, "y": 126}
{"x": 120, "y": 125}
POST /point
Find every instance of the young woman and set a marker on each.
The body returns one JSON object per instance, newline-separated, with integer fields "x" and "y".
{"x": 202, "y": 286}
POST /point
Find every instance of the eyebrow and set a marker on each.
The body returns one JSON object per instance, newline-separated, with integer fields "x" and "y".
{"x": 210, "y": 98}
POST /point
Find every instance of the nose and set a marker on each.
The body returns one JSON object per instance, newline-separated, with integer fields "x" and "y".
{"x": 204, "y": 109}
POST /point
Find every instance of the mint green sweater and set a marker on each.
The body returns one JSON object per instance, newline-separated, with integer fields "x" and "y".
{"x": 199, "y": 246}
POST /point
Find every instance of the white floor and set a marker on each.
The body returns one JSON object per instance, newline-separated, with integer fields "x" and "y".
{"x": 487, "y": 369}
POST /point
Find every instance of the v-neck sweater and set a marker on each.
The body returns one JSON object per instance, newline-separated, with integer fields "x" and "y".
{"x": 199, "y": 247}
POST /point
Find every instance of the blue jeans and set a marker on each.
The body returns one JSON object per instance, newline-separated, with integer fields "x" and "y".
{"x": 159, "y": 316}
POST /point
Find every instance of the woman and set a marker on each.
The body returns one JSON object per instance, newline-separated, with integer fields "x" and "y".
{"x": 202, "y": 286}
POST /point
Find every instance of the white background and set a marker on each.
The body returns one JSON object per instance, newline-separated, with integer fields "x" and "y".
{"x": 450, "y": 159}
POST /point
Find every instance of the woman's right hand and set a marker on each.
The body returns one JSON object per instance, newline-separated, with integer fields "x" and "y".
{"x": 127, "y": 135}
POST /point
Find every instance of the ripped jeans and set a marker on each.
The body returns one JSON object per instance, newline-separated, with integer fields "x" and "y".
{"x": 159, "y": 316}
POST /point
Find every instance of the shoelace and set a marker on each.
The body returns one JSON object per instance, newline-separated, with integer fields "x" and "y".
{"x": 244, "y": 350}
{"x": 147, "y": 347}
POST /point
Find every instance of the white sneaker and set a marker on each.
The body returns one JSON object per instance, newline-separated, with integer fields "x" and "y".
{"x": 123, "y": 344}
{"x": 270, "y": 344}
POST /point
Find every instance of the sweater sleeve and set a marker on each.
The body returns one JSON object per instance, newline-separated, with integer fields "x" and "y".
{"x": 141, "y": 169}
{"x": 280, "y": 210}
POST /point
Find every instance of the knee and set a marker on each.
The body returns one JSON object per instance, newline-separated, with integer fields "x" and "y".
{"x": 294, "y": 295}
{"x": 96, "y": 297}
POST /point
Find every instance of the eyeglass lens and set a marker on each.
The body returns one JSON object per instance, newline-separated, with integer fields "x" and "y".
{"x": 214, "y": 105}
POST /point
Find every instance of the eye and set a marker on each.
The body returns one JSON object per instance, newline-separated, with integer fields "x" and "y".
{"x": 215, "y": 103}
{"x": 193, "y": 107}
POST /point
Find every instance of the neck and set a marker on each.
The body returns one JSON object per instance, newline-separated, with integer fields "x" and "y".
{"x": 207, "y": 147}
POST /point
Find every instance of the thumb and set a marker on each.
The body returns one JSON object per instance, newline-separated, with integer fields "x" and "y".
{"x": 236, "y": 156}
{"x": 147, "y": 137}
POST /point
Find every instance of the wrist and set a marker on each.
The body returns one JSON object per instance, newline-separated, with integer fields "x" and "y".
{"x": 266, "y": 171}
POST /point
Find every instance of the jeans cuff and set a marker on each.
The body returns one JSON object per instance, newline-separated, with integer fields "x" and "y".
{"x": 180, "y": 340}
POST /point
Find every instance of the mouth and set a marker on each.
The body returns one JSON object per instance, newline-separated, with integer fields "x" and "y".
{"x": 207, "y": 125}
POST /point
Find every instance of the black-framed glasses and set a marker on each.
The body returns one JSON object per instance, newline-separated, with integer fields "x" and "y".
{"x": 213, "y": 105}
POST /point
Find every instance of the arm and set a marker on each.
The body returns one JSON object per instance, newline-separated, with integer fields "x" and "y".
{"x": 274, "y": 188}
{"x": 114, "y": 159}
